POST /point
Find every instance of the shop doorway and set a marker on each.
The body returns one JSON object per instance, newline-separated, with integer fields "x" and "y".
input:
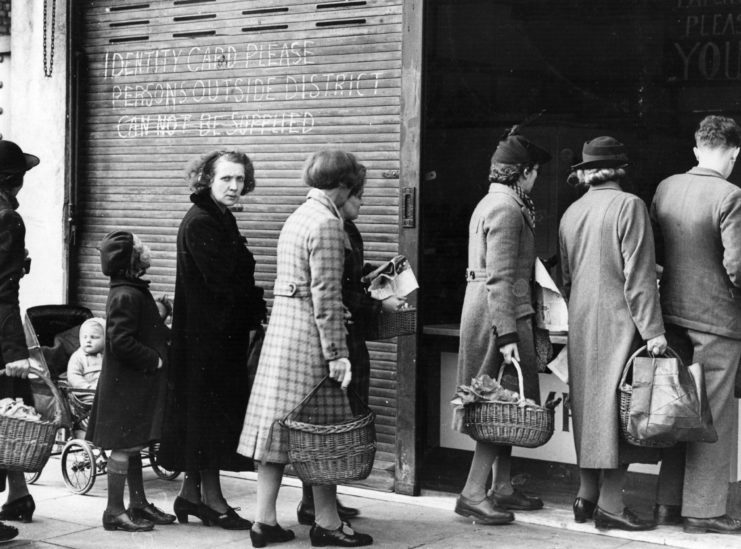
{"x": 644, "y": 72}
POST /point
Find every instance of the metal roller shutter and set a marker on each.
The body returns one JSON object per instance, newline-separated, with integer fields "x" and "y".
{"x": 163, "y": 82}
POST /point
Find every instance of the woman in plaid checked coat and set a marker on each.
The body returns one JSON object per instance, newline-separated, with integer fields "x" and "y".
{"x": 305, "y": 341}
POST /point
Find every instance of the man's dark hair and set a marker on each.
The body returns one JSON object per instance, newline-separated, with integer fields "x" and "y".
{"x": 718, "y": 131}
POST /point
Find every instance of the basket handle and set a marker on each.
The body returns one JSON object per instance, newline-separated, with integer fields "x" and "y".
{"x": 671, "y": 353}
{"x": 53, "y": 388}
{"x": 520, "y": 381}
{"x": 300, "y": 405}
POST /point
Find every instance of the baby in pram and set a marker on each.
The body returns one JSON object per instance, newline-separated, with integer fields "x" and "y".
{"x": 83, "y": 369}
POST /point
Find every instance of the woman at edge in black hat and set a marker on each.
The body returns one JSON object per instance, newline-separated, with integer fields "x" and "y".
{"x": 501, "y": 257}
{"x": 609, "y": 278}
{"x": 14, "y": 164}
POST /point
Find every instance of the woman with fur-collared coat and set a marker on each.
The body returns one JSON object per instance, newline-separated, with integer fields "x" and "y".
{"x": 609, "y": 277}
{"x": 305, "y": 341}
{"x": 496, "y": 322}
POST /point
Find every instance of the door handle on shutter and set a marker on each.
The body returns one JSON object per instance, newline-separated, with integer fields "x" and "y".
{"x": 408, "y": 207}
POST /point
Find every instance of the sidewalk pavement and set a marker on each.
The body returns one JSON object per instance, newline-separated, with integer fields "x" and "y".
{"x": 63, "y": 519}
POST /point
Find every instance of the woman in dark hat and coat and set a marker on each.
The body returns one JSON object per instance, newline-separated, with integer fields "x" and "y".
{"x": 496, "y": 322}
{"x": 609, "y": 277}
{"x": 14, "y": 164}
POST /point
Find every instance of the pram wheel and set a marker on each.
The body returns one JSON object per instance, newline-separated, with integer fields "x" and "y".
{"x": 164, "y": 474}
{"x": 32, "y": 477}
{"x": 79, "y": 466}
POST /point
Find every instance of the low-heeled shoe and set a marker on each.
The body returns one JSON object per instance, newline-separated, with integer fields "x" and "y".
{"x": 483, "y": 512}
{"x": 306, "y": 515}
{"x": 228, "y": 520}
{"x": 583, "y": 510}
{"x": 719, "y": 525}
{"x": 344, "y": 536}
{"x": 262, "y": 534}
{"x": 627, "y": 520}
{"x": 184, "y": 508}
{"x": 516, "y": 501}
{"x": 7, "y": 532}
{"x": 668, "y": 515}
{"x": 19, "y": 509}
{"x": 125, "y": 523}
{"x": 152, "y": 513}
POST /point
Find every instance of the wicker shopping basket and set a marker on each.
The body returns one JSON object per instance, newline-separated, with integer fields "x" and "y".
{"x": 397, "y": 323}
{"x": 508, "y": 422}
{"x": 625, "y": 394}
{"x": 331, "y": 454}
{"x": 26, "y": 445}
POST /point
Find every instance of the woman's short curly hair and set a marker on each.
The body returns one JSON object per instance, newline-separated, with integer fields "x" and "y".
{"x": 332, "y": 168}
{"x": 507, "y": 174}
{"x": 601, "y": 175}
{"x": 200, "y": 173}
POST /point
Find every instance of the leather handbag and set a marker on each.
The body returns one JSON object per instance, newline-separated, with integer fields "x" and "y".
{"x": 669, "y": 402}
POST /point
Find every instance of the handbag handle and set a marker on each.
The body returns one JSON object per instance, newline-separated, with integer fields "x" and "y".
{"x": 671, "y": 353}
{"x": 520, "y": 381}
{"x": 300, "y": 405}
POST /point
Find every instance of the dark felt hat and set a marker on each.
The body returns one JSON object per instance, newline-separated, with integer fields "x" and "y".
{"x": 518, "y": 149}
{"x": 13, "y": 159}
{"x": 602, "y": 152}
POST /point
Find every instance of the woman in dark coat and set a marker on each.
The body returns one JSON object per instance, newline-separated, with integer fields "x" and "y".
{"x": 216, "y": 306}
{"x": 363, "y": 310}
{"x": 496, "y": 321}
{"x": 609, "y": 277}
{"x": 13, "y": 165}
{"x": 127, "y": 410}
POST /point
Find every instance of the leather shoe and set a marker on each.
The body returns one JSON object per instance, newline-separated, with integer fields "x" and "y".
{"x": 124, "y": 522}
{"x": 627, "y": 520}
{"x": 344, "y": 536}
{"x": 583, "y": 509}
{"x": 483, "y": 512}
{"x": 19, "y": 509}
{"x": 7, "y": 532}
{"x": 720, "y": 525}
{"x": 306, "y": 516}
{"x": 262, "y": 534}
{"x": 668, "y": 515}
{"x": 516, "y": 501}
{"x": 152, "y": 513}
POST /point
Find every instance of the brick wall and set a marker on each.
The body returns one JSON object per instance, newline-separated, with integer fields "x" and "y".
{"x": 5, "y": 17}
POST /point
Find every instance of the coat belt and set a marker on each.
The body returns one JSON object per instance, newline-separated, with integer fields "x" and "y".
{"x": 291, "y": 289}
{"x": 475, "y": 275}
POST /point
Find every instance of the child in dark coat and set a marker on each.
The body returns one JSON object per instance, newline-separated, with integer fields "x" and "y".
{"x": 127, "y": 412}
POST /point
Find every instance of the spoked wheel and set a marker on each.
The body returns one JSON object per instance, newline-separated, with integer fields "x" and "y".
{"x": 79, "y": 466}
{"x": 32, "y": 477}
{"x": 164, "y": 474}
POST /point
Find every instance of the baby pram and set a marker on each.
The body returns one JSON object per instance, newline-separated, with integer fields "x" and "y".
{"x": 52, "y": 334}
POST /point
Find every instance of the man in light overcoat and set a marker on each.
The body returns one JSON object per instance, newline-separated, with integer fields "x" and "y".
{"x": 697, "y": 225}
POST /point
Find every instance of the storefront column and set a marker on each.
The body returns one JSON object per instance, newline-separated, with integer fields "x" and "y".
{"x": 406, "y": 479}
{"x": 37, "y": 121}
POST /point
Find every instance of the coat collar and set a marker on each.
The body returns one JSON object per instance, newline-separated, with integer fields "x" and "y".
{"x": 324, "y": 200}
{"x": 8, "y": 200}
{"x": 607, "y": 185}
{"x": 117, "y": 281}
{"x": 204, "y": 200}
{"x": 504, "y": 189}
{"x": 697, "y": 170}
{"x": 499, "y": 188}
